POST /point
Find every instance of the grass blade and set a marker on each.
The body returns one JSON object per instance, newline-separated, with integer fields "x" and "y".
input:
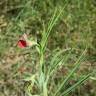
{"x": 75, "y": 85}
{"x": 56, "y": 61}
{"x": 46, "y": 35}
{"x": 71, "y": 73}
{"x": 54, "y": 19}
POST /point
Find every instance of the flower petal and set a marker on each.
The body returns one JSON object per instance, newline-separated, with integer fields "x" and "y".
{"x": 22, "y": 43}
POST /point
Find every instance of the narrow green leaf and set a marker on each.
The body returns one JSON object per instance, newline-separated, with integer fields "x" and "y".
{"x": 44, "y": 38}
{"x": 54, "y": 19}
{"x": 75, "y": 85}
{"x": 71, "y": 73}
{"x": 56, "y": 61}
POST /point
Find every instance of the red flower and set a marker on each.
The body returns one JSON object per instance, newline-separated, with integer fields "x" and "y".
{"x": 22, "y": 43}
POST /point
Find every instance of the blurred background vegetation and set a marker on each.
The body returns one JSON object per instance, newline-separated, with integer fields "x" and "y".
{"x": 75, "y": 29}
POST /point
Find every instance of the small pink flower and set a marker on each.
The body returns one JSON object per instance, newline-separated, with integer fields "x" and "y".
{"x": 24, "y": 42}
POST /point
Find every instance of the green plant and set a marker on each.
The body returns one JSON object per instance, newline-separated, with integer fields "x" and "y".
{"x": 72, "y": 32}
{"x": 42, "y": 78}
